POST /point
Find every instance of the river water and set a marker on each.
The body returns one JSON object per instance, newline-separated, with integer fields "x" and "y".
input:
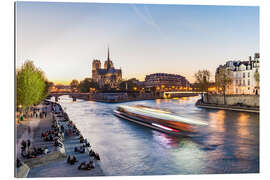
{"x": 229, "y": 144}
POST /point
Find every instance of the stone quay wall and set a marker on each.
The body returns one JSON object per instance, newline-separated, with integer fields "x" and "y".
{"x": 125, "y": 97}
{"x": 237, "y": 99}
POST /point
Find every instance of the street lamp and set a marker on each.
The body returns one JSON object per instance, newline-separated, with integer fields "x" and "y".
{"x": 20, "y": 108}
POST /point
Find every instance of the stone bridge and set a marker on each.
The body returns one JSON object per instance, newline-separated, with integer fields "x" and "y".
{"x": 101, "y": 96}
{"x": 73, "y": 95}
{"x": 171, "y": 94}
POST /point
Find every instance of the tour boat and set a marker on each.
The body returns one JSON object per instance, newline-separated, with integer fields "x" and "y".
{"x": 159, "y": 119}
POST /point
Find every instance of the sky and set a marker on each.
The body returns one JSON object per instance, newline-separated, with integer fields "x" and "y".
{"x": 63, "y": 38}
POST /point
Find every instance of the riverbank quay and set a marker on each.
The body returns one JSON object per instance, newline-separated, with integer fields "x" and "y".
{"x": 244, "y": 100}
{"x": 127, "y": 97}
{"x": 238, "y": 108}
{"x": 61, "y": 168}
{"x": 31, "y": 150}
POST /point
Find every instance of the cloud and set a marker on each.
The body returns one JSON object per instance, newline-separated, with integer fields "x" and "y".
{"x": 147, "y": 18}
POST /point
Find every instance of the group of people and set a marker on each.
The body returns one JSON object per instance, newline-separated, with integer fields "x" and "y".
{"x": 87, "y": 166}
{"x": 37, "y": 112}
{"x": 72, "y": 160}
{"x": 31, "y": 152}
{"x": 72, "y": 129}
{"x": 94, "y": 154}
{"x": 55, "y": 134}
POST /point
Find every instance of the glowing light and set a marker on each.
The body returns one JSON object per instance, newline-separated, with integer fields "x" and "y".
{"x": 166, "y": 116}
{"x": 163, "y": 127}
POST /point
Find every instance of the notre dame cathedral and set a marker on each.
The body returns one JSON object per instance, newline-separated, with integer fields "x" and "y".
{"x": 107, "y": 77}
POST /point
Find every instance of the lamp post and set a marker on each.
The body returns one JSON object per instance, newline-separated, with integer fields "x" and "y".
{"x": 21, "y": 114}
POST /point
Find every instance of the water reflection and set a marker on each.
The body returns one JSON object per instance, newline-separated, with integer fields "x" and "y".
{"x": 242, "y": 122}
{"x": 216, "y": 121}
{"x": 158, "y": 101}
{"x": 229, "y": 144}
{"x": 165, "y": 140}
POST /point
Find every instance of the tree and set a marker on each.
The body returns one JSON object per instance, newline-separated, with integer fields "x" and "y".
{"x": 48, "y": 85}
{"x": 30, "y": 85}
{"x": 202, "y": 79}
{"x": 128, "y": 85}
{"x": 85, "y": 85}
{"x": 223, "y": 80}
{"x": 257, "y": 79}
{"x": 74, "y": 84}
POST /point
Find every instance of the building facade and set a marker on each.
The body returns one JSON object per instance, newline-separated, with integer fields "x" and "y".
{"x": 166, "y": 82}
{"x": 242, "y": 74}
{"x": 107, "y": 76}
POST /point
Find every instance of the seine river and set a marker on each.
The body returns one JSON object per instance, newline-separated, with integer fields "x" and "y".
{"x": 229, "y": 144}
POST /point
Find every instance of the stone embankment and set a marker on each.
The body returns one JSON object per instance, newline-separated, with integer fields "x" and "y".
{"x": 54, "y": 163}
{"x": 126, "y": 97}
{"x": 244, "y": 103}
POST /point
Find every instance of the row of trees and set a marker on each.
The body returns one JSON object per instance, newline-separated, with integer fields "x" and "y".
{"x": 202, "y": 80}
{"x": 84, "y": 86}
{"x": 31, "y": 85}
{"x": 87, "y": 84}
{"x": 223, "y": 80}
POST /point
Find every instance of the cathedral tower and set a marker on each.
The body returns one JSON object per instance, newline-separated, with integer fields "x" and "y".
{"x": 108, "y": 63}
{"x": 95, "y": 66}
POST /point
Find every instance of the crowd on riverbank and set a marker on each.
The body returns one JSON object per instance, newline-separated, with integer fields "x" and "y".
{"x": 44, "y": 134}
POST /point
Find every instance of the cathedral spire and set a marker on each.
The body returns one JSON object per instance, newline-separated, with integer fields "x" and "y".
{"x": 108, "y": 58}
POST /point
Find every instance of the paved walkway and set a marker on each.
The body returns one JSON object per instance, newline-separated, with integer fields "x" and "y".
{"x": 61, "y": 168}
{"x": 31, "y": 129}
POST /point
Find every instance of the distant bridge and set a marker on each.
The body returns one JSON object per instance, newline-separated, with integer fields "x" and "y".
{"x": 88, "y": 96}
{"x": 172, "y": 94}
{"x": 73, "y": 95}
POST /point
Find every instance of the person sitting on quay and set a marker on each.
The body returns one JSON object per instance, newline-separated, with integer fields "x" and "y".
{"x": 62, "y": 129}
{"x": 97, "y": 156}
{"x": 29, "y": 154}
{"x": 57, "y": 144}
{"x": 28, "y": 143}
{"x": 86, "y": 144}
{"x": 91, "y": 153}
{"x": 23, "y": 145}
{"x": 81, "y": 137}
{"x": 84, "y": 166}
{"x": 81, "y": 140}
{"x": 77, "y": 132}
{"x": 94, "y": 154}
{"x": 48, "y": 138}
{"x": 72, "y": 160}
{"x": 68, "y": 159}
{"x": 80, "y": 150}
{"x": 46, "y": 150}
{"x": 92, "y": 164}
{"x": 18, "y": 163}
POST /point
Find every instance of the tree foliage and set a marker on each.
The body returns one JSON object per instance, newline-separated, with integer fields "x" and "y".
{"x": 223, "y": 79}
{"x": 74, "y": 83}
{"x": 202, "y": 79}
{"x": 86, "y": 84}
{"x": 257, "y": 77}
{"x": 128, "y": 85}
{"x": 48, "y": 85}
{"x": 31, "y": 85}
